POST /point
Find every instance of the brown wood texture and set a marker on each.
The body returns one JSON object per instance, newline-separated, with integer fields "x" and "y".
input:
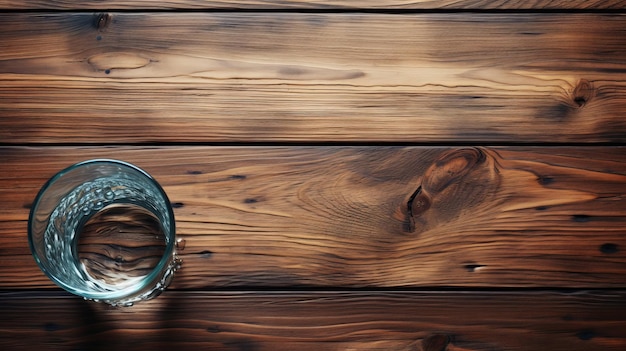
{"x": 345, "y": 175}
{"x": 389, "y": 321}
{"x": 98, "y": 78}
{"x": 317, "y": 4}
{"x": 362, "y": 216}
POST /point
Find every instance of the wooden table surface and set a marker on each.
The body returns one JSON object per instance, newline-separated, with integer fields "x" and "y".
{"x": 345, "y": 175}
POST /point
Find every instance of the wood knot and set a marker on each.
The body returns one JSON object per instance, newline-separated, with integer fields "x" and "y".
{"x": 583, "y": 92}
{"x": 102, "y": 21}
{"x": 455, "y": 182}
{"x": 450, "y": 167}
{"x": 418, "y": 203}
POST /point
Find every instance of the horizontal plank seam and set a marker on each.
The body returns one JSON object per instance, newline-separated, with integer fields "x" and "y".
{"x": 294, "y": 289}
{"x": 322, "y": 143}
{"x": 323, "y": 11}
{"x": 365, "y": 290}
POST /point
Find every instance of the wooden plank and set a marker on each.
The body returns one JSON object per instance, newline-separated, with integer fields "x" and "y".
{"x": 233, "y": 77}
{"x": 317, "y": 4}
{"x": 363, "y": 216}
{"x": 428, "y": 321}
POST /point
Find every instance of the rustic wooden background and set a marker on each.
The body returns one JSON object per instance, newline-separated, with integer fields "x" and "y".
{"x": 346, "y": 175}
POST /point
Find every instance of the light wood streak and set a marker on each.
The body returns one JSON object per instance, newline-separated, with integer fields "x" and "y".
{"x": 297, "y": 77}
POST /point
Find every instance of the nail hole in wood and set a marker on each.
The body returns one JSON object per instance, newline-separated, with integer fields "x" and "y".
{"x": 206, "y": 254}
{"x": 609, "y": 248}
{"x": 435, "y": 342}
{"x": 473, "y": 267}
{"x": 213, "y": 329}
{"x": 586, "y": 334}
{"x": 580, "y": 218}
{"x": 51, "y": 327}
{"x": 545, "y": 180}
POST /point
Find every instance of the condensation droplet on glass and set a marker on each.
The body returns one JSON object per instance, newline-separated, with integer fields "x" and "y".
{"x": 85, "y": 210}
{"x": 180, "y": 244}
{"x": 98, "y": 205}
{"x": 178, "y": 262}
{"x": 109, "y": 195}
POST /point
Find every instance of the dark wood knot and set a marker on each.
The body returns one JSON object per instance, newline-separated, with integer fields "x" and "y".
{"x": 583, "y": 92}
{"x": 609, "y": 248}
{"x": 418, "y": 203}
{"x": 102, "y": 21}
{"x": 456, "y": 167}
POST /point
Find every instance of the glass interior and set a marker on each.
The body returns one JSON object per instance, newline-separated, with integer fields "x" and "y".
{"x": 129, "y": 260}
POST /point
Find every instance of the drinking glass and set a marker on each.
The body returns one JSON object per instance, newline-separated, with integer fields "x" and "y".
{"x": 104, "y": 230}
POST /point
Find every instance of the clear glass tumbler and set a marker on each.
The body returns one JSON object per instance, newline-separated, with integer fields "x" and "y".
{"x": 104, "y": 230}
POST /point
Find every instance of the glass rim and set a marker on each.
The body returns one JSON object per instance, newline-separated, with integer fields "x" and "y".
{"x": 131, "y": 291}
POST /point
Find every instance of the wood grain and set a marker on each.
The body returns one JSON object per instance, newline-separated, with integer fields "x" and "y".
{"x": 316, "y": 4}
{"x": 390, "y": 321}
{"x": 301, "y": 77}
{"x": 363, "y": 216}
{"x": 453, "y": 248}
